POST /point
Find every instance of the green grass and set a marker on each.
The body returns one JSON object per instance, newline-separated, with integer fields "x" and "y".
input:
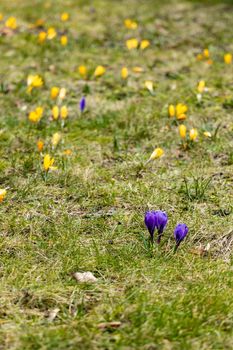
{"x": 89, "y": 214}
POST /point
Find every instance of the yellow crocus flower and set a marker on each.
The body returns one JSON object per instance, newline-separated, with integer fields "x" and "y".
{"x": 137, "y": 69}
{"x": 193, "y": 134}
{"x": 149, "y": 85}
{"x": 36, "y": 115}
{"x": 157, "y": 153}
{"x": 144, "y": 44}
{"x": 48, "y": 163}
{"x": 65, "y": 16}
{"x": 11, "y": 23}
{"x": 2, "y": 194}
{"x": 40, "y": 145}
{"x": 171, "y": 111}
{"x": 34, "y": 81}
{"x": 129, "y": 24}
{"x": 124, "y": 73}
{"x": 201, "y": 86}
{"x": 64, "y": 112}
{"x": 199, "y": 57}
{"x": 51, "y": 33}
{"x": 228, "y": 58}
{"x": 182, "y": 131}
{"x": 206, "y": 53}
{"x": 1, "y": 16}
{"x": 207, "y": 134}
{"x": 56, "y": 139}
{"x": 64, "y": 40}
{"x": 82, "y": 71}
{"x": 132, "y": 43}
{"x": 55, "y": 112}
{"x": 100, "y": 70}
{"x": 67, "y": 152}
{"x": 181, "y": 110}
{"x": 54, "y": 92}
{"x": 62, "y": 93}
{"x": 42, "y": 37}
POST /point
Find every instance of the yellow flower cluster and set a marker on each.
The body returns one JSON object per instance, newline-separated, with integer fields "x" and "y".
{"x": 179, "y": 111}
{"x": 36, "y": 115}
{"x": 59, "y": 112}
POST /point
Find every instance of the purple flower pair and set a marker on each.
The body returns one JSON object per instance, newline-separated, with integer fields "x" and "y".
{"x": 158, "y": 220}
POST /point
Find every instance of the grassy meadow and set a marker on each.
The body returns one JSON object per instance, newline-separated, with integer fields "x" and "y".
{"x": 83, "y": 208}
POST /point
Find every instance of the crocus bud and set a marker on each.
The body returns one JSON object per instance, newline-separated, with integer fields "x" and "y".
{"x": 157, "y": 153}
{"x": 150, "y": 223}
{"x": 182, "y": 131}
{"x": 82, "y": 104}
{"x": 193, "y": 134}
{"x": 149, "y": 85}
{"x": 171, "y": 111}
{"x": 180, "y": 233}
{"x": 160, "y": 222}
{"x": 124, "y": 73}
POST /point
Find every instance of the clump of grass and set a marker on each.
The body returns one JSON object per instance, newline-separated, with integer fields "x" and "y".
{"x": 195, "y": 189}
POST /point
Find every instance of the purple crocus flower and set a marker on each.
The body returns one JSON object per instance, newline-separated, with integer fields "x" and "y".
{"x": 82, "y": 104}
{"x": 150, "y": 223}
{"x": 180, "y": 233}
{"x": 156, "y": 219}
{"x": 160, "y": 222}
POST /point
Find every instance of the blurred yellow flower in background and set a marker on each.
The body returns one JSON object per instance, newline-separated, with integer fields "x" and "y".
{"x": 1, "y": 17}
{"x": 181, "y": 110}
{"x": 64, "y": 112}
{"x": 201, "y": 86}
{"x": 36, "y": 115}
{"x": 132, "y": 43}
{"x": 207, "y": 134}
{"x": 62, "y": 93}
{"x": 228, "y": 58}
{"x": 82, "y": 71}
{"x": 51, "y": 33}
{"x": 56, "y": 138}
{"x": 149, "y": 85}
{"x": 171, "y": 111}
{"x": 2, "y": 194}
{"x": 193, "y": 134}
{"x": 54, "y": 92}
{"x": 137, "y": 69}
{"x": 42, "y": 37}
{"x": 144, "y": 44}
{"x": 124, "y": 73}
{"x": 182, "y": 131}
{"x": 67, "y": 152}
{"x": 40, "y": 145}
{"x": 65, "y": 16}
{"x": 100, "y": 70}
{"x": 206, "y": 53}
{"x": 34, "y": 81}
{"x": 130, "y": 24}
{"x": 55, "y": 112}
{"x": 64, "y": 40}
{"x": 11, "y": 23}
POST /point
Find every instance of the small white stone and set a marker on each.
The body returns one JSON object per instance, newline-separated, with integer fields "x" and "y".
{"x": 85, "y": 277}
